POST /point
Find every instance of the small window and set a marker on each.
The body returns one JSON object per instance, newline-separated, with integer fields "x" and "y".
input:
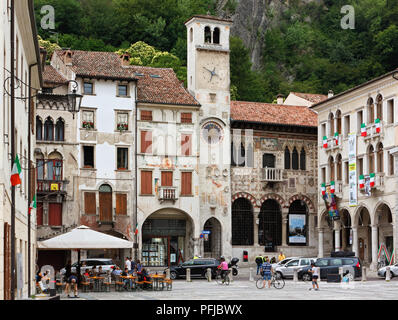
{"x": 88, "y": 156}
{"x": 216, "y": 36}
{"x": 122, "y": 158}
{"x": 122, "y": 90}
{"x": 122, "y": 121}
{"x": 302, "y": 159}
{"x": 88, "y": 88}
{"x": 186, "y": 117}
{"x": 295, "y": 159}
{"x": 146, "y": 115}
{"x": 207, "y": 35}
{"x": 186, "y": 183}
{"x": 287, "y": 158}
{"x": 87, "y": 119}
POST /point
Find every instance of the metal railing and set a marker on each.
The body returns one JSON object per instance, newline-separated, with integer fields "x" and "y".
{"x": 51, "y": 186}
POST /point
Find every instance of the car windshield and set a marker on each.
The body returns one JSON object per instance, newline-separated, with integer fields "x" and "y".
{"x": 284, "y": 261}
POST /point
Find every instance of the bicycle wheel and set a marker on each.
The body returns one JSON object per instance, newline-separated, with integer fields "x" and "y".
{"x": 260, "y": 283}
{"x": 278, "y": 283}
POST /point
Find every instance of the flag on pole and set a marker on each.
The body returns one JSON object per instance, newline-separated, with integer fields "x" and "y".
{"x": 372, "y": 180}
{"x": 136, "y": 229}
{"x": 363, "y": 130}
{"x": 32, "y": 204}
{"x": 323, "y": 189}
{"x": 16, "y": 171}
{"x": 325, "y": 142}
{"x": 332, "y": 187}
{"x": 377, "y": 122}
{"x": 336, "y": 138}
{"x": 361, "y": 181}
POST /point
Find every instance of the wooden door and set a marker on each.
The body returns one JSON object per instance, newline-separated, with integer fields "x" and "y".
{"x": 105, "y": 206}
{"x": 55, "y": 214}
{"x": 361, "y": 244}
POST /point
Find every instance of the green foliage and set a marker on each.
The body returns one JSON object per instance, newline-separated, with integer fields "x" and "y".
{"x": 49, "y": 46}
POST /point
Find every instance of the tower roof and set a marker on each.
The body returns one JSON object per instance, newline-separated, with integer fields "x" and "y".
{"x": 208, "y": 17}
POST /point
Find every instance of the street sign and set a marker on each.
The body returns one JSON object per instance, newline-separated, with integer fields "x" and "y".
{"x": 206, "y": 231}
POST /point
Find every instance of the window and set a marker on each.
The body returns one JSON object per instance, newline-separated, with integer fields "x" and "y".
{"x": 287, "y": 158}
{"x": 186, "y": 183}
{"x": 304, "y": 262}
{"x": 186, "y": 117}
{"x": 390, "y": 111}
{"x": 339, "y": 167}
{"x": 186, "y": 144}
{"x": 87, "y": 119}
{"x": 331, "y": 168}
{"x": 380, "y": 158}
{"x": 268, "y": 160}
{"x": 40, "y": 169}
{"x": 59, "y": 130}
{"x": 242, "y": 222}
{"x": 391, "y": 164}
{"x": 323, "y": 175}
{"x": 331, "y": 125}
{"x": 371, "y": 112}
{"x": 122, "y": 121}
{"x": 321, "y": 263}
{"x": 121, "y": 204}
{"x": 122, "y": 90}
{"x": 88, "y": 156}
{"x": 207, "y": 35}
{"x": 191, "y": 35}
{"x": 338, "y": 122}
{"x": 336, "y": 262}
{"x": 347, "y": 172}
{"x": 216, "y": 36}
{"x": 55, "y": 214}
{"x": 371, "y": 160}
{"x": 359, "y": 120}
{"x": 347, "y": 128}
{"x": 105, "y": 203}
{"x": 54, "y": 169}
{"x": 49, "y": 129}
{"x": 39, "y": 129}
{"x": 146, "y": 115}
{"x": 241, "y": 155}
{"x": 360, "y": 166}
{"x": 146, "y": 182}
{"x": 146, "y": 141}
{"x": 167, "y": 178}
{"x": 295, "y": 159}
{"x": 39, "y": 213}
{"x": 250, "y": 156}
{"x": 88, "y": 88}
{"x": 379, "y": 101}
{"x": 323, "y": 130}
{"x": 302, "y": 159}
{"x": 90, "y": 206}
{"x": 293, "y": 263}
{"x": 122, "y": 158}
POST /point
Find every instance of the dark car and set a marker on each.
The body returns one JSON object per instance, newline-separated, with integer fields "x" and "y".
{"x": 198, "y": 268}
{"x": 331, "y": 265}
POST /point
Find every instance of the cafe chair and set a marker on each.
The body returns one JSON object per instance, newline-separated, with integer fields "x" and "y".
{"x": 118, "y": 284}
{"x": 86, "y": 284}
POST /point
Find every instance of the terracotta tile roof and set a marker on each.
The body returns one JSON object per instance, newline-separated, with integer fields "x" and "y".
{"x": 312, "y": 97}
{"x": 273, "y": 113}
{"x": 155, "y": 85}
{"x": 51, "y": 77}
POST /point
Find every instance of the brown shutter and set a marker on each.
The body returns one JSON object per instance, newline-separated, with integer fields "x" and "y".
{"x": 89, "y": 203}
{"x": 186, "y": 144}
{"x": 146, "y": 182}
{"x": 105, "y": 206}
{"x": 146, "y": 141}
{"x": 186, "y": 117}
{"x": 167, "y": 178}
{"x": 39, "y": 213}
{"x": 55, "y": 214}
{"x": 121, "y": 203}
{"x": 146, "y": 115}
{"x": 186, "y": 183}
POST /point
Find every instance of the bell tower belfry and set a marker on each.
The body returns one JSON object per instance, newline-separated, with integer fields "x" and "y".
{"x": 209, "y": 82}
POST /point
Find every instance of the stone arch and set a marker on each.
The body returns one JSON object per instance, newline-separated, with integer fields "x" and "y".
{"x": 379, "y": 205}
{"x": 272, "y": 196}
{"x": 304, "y": 198}
{"x": 357, "y": 212}
{"x": 247, "y": 196}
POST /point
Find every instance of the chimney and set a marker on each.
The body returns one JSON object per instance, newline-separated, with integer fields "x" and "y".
{"x": 125, "y": 59}
{"x": 279, "y": 99}
{"x": 68, "y": 57}
{"x": 330, "y": 94}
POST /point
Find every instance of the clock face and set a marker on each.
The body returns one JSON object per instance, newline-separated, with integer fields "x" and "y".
{"x": 212, "y": 71}
{"x": 212, "y": 132}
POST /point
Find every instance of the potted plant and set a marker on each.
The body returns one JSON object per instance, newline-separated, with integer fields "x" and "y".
{"x": 122, "y": 126}
{"x": 88, "y": 124}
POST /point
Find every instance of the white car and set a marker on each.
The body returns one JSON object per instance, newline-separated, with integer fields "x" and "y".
{"x": 393, "y": 270}
{"x": 105, "y": 263}
{"x": 287, "y": 270}
{"x": 283, "y": 262}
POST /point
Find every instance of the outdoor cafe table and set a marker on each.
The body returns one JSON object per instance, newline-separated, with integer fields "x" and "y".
{"x": 97, "y": 282}
{"x": 156, "y": 278}
{"x": 129, "y": 277}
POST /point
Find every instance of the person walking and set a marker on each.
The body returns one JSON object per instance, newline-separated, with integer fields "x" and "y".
{"x": 281, "y": 256}
{"x": 259, "y": 261}
{"x": 267, "y": 272}
{"x": 315, "y": 275}
{"x": 127, "y": 264}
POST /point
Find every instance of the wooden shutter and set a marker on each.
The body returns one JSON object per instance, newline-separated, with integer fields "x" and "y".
{"x": 146, "y": 115}
{"x": 167, "y": 179}
{"x": 186, "y": 117}
{"x": 146, "y": 182}
{"x": 7, "y": 261}
{"x": 186, "y": 183}
{"x": 89, "y": 203}
{"x": 39, "y": 213}
{"x": 55, "y": 214}
{"x": 186, "y": 144}
{"x": 32, "y": 173}
{"x": 105, "y": 206}
{"x": 121, "y": 203}
{"x": 146, "y": 141}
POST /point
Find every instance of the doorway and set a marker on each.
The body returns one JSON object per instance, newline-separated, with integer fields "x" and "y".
{"x": 361, "y": 244}
{"x": 105, "y": 203}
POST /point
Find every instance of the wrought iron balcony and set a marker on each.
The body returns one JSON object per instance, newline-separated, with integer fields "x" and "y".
{"x": 168, "y": 193}
{"x": 51, "y": 186}
{"x": 272, "y": 175}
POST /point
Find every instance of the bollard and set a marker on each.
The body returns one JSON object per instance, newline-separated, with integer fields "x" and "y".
{"x": 319, "y": 274}
{"x": 188, "y": 274}
{"x": 388, "y": 274}
{"x": 295, "y": 275}
{"x": 341, "y": 273}
{"x": 251, "y": 275}
{"x": 168, "y": 273}
{"x": 208, "y": 274}
{"x": 364, "y": 274}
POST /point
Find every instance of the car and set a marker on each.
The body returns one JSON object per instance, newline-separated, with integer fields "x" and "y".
{"x": 198, "y": 268}
{"x": 105, "y": 263}
{"x": 393, "y": 270}
{"x": 287, "y": 270}
{"x": 331, "y": 265}
{"x": 283, "y": 262}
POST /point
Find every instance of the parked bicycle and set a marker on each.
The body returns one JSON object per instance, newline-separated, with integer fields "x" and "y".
{"x": 276, "y": 281}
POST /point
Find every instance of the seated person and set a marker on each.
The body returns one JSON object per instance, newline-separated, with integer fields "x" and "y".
{"x": 125, "y": 273}
{"x": 86, "y": 273}
{"x": 94, "y": 271}
{"x": 100, "y": 271}
{"x": 144, "y": 276}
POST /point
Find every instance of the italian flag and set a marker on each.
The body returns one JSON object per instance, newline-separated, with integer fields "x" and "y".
{"x": 336, "y": 138}
{"x": 363, "y": 130}
{"x": 16, "y": 172}
{"x": 325, "y": 142}
{"x": 372, "y": 180}
{"x": 32, "y": 205}
{"x": 361, "y": 181}
{"x": 332, "y": 187}
{"x": 323, "y": 189}
{"x": 136, "y": 229}
{"x": 377, "y": 122}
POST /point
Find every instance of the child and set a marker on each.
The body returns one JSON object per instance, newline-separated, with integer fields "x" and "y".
{"x": 314, "y": 271}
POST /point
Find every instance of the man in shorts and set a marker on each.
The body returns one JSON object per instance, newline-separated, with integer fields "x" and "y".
{"x": 315, "y": 275}
{"x": 267, "y": 272}
{"x": 72, "y": 282}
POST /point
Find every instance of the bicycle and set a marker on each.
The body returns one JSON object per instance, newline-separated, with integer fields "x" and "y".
{"x": 276, "y": 281}
{"x": 222, "y": 279}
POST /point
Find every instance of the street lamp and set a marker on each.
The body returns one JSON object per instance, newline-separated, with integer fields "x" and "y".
{"x": 74, "y": 99}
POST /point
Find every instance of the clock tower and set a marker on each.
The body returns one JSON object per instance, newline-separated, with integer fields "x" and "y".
{"x": 209, "y": 82}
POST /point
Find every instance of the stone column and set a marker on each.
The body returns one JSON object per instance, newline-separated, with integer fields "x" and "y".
{"x": 355, "y": 241}
{"x": 320, "y": 242}
{"x": 285, "y": 212}
{"x": 373, "y": 264}
{"x": 337, "y": 227}
{"x": 256, "y": 213}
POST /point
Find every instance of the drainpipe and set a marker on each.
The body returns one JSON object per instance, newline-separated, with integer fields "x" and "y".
{"x": 136, "y": 175}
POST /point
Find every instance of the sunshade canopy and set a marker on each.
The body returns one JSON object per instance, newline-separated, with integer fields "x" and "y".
{"x": 84, "y": 238}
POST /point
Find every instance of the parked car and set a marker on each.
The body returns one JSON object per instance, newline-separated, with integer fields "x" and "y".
{"x": 198, "y": 268}
{"x": 331, "y": 265}
{"x": 105, "y": 263}
{"x": 283, "y": 262}
{"x": 287, "y": 270}
{"x": 393, "y": 269}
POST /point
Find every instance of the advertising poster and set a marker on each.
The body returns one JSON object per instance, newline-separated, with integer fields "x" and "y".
{"x": 352, "y": 172}
{"x": 297, "y": 227}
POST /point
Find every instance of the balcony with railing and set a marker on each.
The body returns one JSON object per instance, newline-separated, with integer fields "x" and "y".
{"x": 51, "y": 186}
{"x": 168, "y": 193}
{"x": 374, "y": 130}
{"x": 333, "y": 143}
{"x": 271, "y": 175}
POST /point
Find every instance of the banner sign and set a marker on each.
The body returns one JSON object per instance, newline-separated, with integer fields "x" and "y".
{"x": 297, "y": 228}
{"x": 352, "y": 172}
